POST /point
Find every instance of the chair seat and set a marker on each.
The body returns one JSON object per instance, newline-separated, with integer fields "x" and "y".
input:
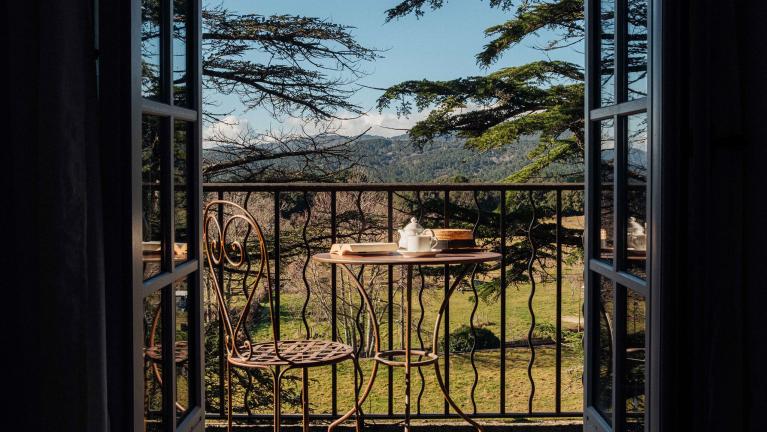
{"x": 298, "y": 353}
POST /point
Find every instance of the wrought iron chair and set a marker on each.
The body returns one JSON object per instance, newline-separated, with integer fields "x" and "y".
{"x": 234, "y": 241}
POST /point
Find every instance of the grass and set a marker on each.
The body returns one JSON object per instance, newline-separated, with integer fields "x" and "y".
{"x": 461, "y": 379}
{"x": 487, "y": 392}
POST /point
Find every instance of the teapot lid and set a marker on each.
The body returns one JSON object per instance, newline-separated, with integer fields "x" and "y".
{"x": 413, "y": 225}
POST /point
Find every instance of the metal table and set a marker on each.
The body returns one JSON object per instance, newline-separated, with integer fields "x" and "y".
{"x": 426, "y": 357}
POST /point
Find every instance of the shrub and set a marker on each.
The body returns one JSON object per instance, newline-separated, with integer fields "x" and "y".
{"x": 462, "y": 339}
{"x": 570, "y": 338}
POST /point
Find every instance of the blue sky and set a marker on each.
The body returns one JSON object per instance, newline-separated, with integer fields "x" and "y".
{"x": 439, "y": 45}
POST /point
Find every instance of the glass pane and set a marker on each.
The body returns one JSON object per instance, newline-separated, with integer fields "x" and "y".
{"x": 634, "y": 380}
{"x": 605, "y": 188}
{"x": 607, "y": 52}
{"x": 153, "y": 362}
{"x": 183, "y": 391}
{"x": 636, "y": 172}
{"x": 604, "y": 349}
{"x": 181, "y": 189}
{"x": 180, "y": 29}
{"x": 636, "y": 36}
{"x": 150, "y": 49}
{"x": 151, "y": 194}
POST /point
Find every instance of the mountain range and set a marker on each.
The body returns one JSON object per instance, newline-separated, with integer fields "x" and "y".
{"x": 445, "y": 159}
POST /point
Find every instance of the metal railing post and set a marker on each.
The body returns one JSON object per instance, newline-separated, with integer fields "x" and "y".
{"x": 558, "y": 367}
{"x": 502, "y": 387}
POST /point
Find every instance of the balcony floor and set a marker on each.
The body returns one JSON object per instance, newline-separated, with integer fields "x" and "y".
{"x": 573, "y": 425}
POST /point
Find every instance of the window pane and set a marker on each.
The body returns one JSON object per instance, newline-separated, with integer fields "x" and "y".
{"x": 636, "y": 182}
{"x": 604, "y": 349}
{"x": 180, "y": 30}
{"x": 150, "y": 49}
{"x": 636, "y": 62}
{"x": 634, "y": 362}
{"x": 183, "y": 391}
{"x": 151, "y": 149}
{"x": 181, "y": 180}
{"x": 607, "y": 52}
{"x": 605, "y": 188}
{"x": 153, "y": 352}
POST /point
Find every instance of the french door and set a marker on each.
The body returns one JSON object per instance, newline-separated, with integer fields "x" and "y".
{"x": 619, "y": 247}
{"x": 166, "y": 208}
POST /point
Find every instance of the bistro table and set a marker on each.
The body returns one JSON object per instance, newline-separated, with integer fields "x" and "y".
{"x": 425, "y": 357}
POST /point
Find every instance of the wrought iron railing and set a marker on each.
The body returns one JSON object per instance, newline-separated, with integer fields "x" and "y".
{"x": 531, "y": 301}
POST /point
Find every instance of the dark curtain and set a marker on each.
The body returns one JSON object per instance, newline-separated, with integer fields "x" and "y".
{"x": 53, "y": 253}
{"x": 715, "y": 216}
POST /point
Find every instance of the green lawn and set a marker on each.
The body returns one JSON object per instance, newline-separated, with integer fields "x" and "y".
{"x": 461, "y": 375}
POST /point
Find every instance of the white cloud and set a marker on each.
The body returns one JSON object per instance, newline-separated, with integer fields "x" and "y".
{"x": 229, "y": 126}
{"x": 381, "y": 124}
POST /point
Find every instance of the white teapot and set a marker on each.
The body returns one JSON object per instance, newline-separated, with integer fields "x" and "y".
{"x": 636, "y": 237}
{"x": 411, "y": 229}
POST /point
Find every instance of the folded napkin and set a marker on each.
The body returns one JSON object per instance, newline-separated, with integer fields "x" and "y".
{"x": 363, "y": 248}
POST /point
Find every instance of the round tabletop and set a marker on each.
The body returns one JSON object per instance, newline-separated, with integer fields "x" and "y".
{"x": 397, "y": 259}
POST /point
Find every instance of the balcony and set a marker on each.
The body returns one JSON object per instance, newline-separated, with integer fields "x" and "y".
{"x": 514, "y": 353}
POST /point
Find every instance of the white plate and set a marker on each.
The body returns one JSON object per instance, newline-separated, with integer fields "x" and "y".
{"x": 420, "y": 254}
{"x": 376, "y": 253}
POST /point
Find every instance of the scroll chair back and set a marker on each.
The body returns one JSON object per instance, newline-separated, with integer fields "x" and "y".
{"x": 235, "y": 244}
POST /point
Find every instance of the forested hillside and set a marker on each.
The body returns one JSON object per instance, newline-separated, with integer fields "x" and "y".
{"x": 444, "y": 159}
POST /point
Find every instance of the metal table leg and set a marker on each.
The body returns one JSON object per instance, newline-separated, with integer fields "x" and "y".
{"x": 408, "y": 318}
{"x": 435, "y": 345}
{"x": 407, "y": 363}
{"x": 377, "y": 347}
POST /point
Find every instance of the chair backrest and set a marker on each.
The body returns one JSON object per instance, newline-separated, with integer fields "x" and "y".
{"x": 234, "y": 242}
